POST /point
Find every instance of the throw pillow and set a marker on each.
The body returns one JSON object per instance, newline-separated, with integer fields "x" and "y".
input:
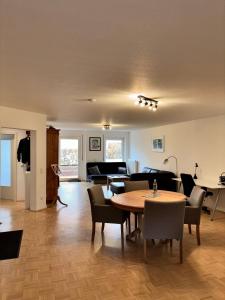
{"x": 122, "y": 170}
{"x": 154, "y": 171}
{"x": 146, "y": 170}
{"x": 94, "y": 170}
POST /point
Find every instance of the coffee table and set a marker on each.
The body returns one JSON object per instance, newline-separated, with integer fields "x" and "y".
{"x": 113, "y": 178}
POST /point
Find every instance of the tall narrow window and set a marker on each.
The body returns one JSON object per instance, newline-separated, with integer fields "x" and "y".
{"x": 114, "y": 150}
{"x": 5, "y": 163}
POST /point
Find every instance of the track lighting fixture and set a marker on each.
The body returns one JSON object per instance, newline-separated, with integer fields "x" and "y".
{"x": 143, "y": 101}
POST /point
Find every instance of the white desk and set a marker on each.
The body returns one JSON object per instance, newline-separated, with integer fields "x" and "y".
{"x": 208, "y": 184}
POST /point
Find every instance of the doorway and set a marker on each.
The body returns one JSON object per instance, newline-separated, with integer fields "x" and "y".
{"x": 7, "y": 167}
{"x": 69, "y": 159}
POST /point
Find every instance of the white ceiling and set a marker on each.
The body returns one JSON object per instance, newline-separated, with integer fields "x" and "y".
{"x": 53, "y": 52}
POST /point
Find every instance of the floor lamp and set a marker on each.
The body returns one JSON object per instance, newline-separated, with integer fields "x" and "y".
{"x": 168, "y": 158}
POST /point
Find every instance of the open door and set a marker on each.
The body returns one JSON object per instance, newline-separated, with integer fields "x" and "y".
{"x": 69, "y": 158}
{"x": 7, "y": 167}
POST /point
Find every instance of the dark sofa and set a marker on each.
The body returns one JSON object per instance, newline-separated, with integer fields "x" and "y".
{"x": 105, "y": 168}
{"x": 163, "y": 178}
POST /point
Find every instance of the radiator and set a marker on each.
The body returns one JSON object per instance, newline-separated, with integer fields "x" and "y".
{"x": 132, "y": 166}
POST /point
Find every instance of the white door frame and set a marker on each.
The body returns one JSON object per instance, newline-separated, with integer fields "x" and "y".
{"x": 11, "y": 192}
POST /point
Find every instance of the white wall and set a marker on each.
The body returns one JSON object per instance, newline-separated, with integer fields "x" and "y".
{"x": 20, "y": 119}
{"x": 88, "y": 156}
{"x": 200, "y": 141}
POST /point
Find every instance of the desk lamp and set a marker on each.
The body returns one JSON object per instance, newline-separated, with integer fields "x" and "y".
{"x": 195, "y": 176}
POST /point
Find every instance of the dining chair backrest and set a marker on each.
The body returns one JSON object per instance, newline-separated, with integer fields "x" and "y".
{"x": 96, "y": 195}
{"x": 130, "y": 186}
{"x": 197, "y": 196}
{"x": 163, "y": 219}
{"x": 188, "y": 183}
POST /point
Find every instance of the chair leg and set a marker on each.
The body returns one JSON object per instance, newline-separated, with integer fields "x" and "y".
{"x": 136, "y": 223}
{"x": 145, "y": 249}
{"x": 122, "y": 238}
{"x": 181, "y": 251}
{"x": 129, "y": 228}
{"x": 103, "y": 227}
{"x": 189, "y": 228}
{"x": 198, "y": 234}
{"x": 171, "y": 243}
{"x": 93, "y": 232}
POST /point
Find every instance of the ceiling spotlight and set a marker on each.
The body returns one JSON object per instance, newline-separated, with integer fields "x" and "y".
{"x": 150, "y": 106}
{"x": 106, "y": 127}
{"x": 136, "y": 102}
{"x": 155, "y": 107}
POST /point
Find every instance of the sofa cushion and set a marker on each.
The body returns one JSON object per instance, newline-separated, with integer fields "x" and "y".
{"x": 94, "y": 170}
{"x": 122, "y": 170}
{"x": 154, "y": 171}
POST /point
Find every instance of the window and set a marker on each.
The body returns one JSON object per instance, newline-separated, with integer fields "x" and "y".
{"x": 114, "y": 150}
{"x": 5, "y": 163}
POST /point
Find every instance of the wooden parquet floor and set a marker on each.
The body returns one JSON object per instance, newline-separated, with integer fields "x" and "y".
{"x": 57, "y": 260}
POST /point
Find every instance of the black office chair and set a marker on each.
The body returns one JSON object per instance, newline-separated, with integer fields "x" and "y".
{"x": 188, "y": 184}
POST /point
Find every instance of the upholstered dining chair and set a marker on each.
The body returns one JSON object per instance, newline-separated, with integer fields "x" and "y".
{"x": 193, "y": 210}
{"x": 188, "y": 185}
{"x": 130, "y": 186}
{"x": 163, "y": 220}
{"x": 103, "y": 212}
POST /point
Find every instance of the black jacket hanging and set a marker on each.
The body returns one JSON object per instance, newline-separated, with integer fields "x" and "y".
{"x": 23, "y": 151}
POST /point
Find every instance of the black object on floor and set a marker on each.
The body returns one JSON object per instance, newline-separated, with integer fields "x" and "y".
{"x": 206, "y": 210}
{"x": 10, "y": 242}
{"x": 70, "y": 180}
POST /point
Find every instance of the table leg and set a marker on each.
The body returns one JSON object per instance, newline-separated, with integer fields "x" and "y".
{"x": 135, "y": 233}
{"x": 215, "y": 206}
{"x": 140, "y": 223}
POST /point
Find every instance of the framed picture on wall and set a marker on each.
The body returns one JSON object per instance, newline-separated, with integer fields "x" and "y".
{"x": 94, "y": 144}
{"x": 158, "y": 144}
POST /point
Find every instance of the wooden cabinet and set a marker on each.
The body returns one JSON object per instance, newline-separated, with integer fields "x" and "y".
{"x": 52, "y": 181}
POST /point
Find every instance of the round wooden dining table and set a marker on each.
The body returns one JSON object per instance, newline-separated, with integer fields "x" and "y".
{"x": 134, "y": 202}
